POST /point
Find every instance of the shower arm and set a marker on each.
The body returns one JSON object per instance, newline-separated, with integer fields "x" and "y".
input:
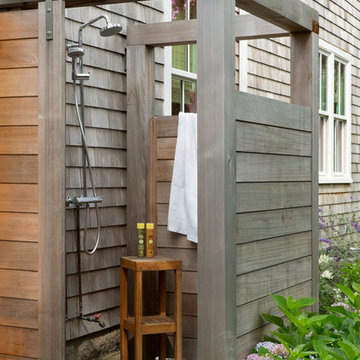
{"x": 83, "y": 26}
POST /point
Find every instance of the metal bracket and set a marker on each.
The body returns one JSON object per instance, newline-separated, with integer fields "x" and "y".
{"x": 49, "y": 19}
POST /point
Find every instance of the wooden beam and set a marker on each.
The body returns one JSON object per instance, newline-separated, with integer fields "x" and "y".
{"x": 179, "y": 32}
{"x": 183, "y": 32}
{"x": 52, "y": 185}
{"x": 216, "y": 180}
{"x": 252, "y": 27}
{"x": 305, "y": 92}
{"x": 32, "y": 4}
{"x": 291, "y": 15}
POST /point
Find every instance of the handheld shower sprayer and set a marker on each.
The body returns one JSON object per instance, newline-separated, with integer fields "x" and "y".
{"x": 76, "y": 52}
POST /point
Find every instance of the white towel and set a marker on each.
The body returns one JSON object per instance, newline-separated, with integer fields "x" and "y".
{"x": 182, "y": 217}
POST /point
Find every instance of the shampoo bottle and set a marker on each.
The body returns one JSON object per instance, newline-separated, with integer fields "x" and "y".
{"x": 140, "y": 239}
{"x": 150, "y": 240}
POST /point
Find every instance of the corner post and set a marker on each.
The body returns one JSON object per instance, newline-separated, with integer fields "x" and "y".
{"x": 52, "y": 185}
{"x": 140, "y": 108}
{"x": 216, "y": 180}
{"x": 305, "y": 92}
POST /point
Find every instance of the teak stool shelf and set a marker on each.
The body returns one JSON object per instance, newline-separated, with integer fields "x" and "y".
{"x": 156, "y": 324}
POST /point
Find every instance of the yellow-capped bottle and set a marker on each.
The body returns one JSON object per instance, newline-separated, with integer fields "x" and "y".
{"x": 150, "y": 240}
{"x": 140, "y": 239}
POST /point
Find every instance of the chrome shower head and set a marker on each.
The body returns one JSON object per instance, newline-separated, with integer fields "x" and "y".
{"x": 75, "y": 51}
{"x": 110, "y": 29}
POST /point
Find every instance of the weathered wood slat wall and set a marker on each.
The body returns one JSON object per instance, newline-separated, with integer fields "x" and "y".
{"x": 172, "y": 244}
{"x": 19, "y": 276}
{"x": 273, "y": 177}
{"x": 269, "y": 75}
{"x": 106, "y": 129}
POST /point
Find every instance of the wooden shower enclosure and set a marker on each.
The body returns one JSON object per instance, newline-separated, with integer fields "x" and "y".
{"x": 257, "y": 174}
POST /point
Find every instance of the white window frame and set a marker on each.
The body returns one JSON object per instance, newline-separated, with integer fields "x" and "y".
{"x": 169, "y": 71}
{"x": 329, "y": 176}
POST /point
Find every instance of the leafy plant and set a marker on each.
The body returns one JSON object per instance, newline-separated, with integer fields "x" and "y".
{"x": 302, "y": 327}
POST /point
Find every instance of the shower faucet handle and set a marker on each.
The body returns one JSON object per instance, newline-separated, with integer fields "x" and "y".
{"x": 83, "y": 76}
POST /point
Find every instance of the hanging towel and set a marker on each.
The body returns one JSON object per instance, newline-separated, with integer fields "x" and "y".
{"x": 182, "y": 217}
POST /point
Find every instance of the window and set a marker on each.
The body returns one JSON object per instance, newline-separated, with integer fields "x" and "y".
{"x": 180, "y": 73}
{"x": 184, "y": 62}
{"x": 334, "y": 115}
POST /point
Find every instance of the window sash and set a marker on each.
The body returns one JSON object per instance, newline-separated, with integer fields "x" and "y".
{"x": 334, "y": 115}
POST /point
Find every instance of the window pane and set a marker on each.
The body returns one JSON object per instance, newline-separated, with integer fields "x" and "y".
{"x": 323, "y": 82}
{"x": 178, "y": 9}
{"x": 336, "y": 87}
{"x": 192, "y": 9}
{"x": 193, "y": 58}
{"x": 179, "y": 57}
{"x": 190, "y": 96}
{"x": 176, "y": 95}
{"x": 322, "y": 151}
{"x": 342, "y": 89}
{"x": 338, "y": 145}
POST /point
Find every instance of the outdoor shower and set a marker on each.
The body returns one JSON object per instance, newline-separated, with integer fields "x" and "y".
{"x": 76, "y": 52}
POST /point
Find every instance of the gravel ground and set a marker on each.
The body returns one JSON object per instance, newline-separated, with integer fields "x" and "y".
{"x": 113, "y": 356}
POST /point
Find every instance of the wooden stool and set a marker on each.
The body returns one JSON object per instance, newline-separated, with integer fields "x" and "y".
{"x": 156, "y": 324}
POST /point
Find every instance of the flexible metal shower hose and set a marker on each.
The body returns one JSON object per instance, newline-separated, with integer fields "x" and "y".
{"x": 91, "y": 181}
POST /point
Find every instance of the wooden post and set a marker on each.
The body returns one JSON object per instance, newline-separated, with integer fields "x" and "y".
{"x": 140, "y": 108}
{"x": 52, "y": 185}
{"x": 305, "y": 91}
{"x": 216, "y": 179}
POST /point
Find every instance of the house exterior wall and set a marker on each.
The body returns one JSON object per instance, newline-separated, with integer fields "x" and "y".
{"x": 106, "y": 124}
{"x": 269, "y": 75}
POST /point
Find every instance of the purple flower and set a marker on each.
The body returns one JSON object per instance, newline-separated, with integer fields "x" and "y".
{"x": 330, "y": 248}
{"x": 337, "y": 258}
{"x": 327, "y": 241}
{"x": 319, "y": 210}
{"x": 322, "y": 226}
{"x": 355, "y": 226}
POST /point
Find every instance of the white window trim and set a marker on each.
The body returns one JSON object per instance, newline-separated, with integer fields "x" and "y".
{"x": 328, "y": 176}
{"x": 169, "y": 70}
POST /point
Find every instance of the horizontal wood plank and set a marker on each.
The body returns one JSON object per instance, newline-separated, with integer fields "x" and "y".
{"x": 19, "y": 342}
{"x": 166, "y": 148}
{"x": 273, "y": 140}
{"x": 19, "y": 226}
{"x": 264, "y": 168}
{"x": 18, "y": 24}
{"x": 271, "y": 196}
{"x": 249, "y": 315}
{"x": 18, "y": 140}
{"x": 164, "y": 170}
{"x": 271, "y": 112}
{"x": 163, "y": 192}
{"x": 289, "y": 15}
{"x": 171, "y": 239}
{"x": 258, "y": 284}
{"x": 261, "y": 254}
{"x": 19, "y": 111}
{"x": 18, "y": 53}
{"x": 189, "y": 282}
{"x": 19, "y": 284}
{"x": 19, "y": 169}
{"x": 19, "y": 313}
{"x": 187, "y": 256}
{"x": 275, "y": 223}
{"x": 19, "y": 82}
{"x": 18, "y": 255}
{"x": 251, "y": 27}
{"x": 183, "y": 32}
{"x": 19, "y": 198}
{"x": 167, "y": 126}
